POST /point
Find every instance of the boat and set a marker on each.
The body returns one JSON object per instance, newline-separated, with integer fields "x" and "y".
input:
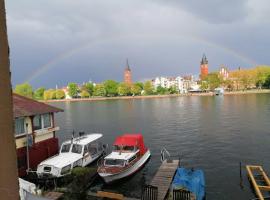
{"x": 128, "y": 156}
{"x": 219, "y": 91}
{"x": 77, "y": 152}
{"x": 189, "y": 181}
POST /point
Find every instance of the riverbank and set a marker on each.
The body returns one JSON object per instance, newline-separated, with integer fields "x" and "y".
{"x": 159, "y": 96}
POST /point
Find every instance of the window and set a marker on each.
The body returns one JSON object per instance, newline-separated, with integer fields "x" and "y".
{"x": 65, "y": 148}
{"x": 42, "y": 121}
{"x": 19, "y": 126}
{"x": 114, "y": 162}
{"x": 76, "y": 148}
{"x": 132, "y": 158}
{"x": 46, "y": 120}
{"x": 37, "y": 123}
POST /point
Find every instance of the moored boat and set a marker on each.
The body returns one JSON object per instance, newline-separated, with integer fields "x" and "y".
{"x": 77, "y": 152}
{"x": 128, "y": 156}
{"x": 189, "y": 181}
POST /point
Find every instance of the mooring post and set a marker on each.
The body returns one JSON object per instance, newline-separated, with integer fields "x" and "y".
{"x": 240, "y": 174}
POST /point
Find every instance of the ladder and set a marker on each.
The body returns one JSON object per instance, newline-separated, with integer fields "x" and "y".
{"x": 259, "y": 179}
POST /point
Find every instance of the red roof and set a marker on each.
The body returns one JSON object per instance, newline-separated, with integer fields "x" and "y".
{"x": 23, "y": 106}
{"x": 131, "y": 140}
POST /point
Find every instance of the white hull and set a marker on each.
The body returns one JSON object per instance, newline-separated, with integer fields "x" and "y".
{"x": 113, "y": 177}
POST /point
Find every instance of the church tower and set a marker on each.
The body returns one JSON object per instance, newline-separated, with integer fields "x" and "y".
{"x": 127, "y": 74}
{"x": 204, "y": 67}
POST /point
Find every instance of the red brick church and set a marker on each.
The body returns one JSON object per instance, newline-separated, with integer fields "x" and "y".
{"x": 127, "y": 74}
{"x": 204, "y": 67}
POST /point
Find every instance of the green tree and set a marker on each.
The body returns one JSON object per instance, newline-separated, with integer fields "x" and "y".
{"x": 161, "y": 90}
{"x": 85, "y": 94}
{"x": 213, "y": 80}
{"x": 59, "y": 94}
{"x": 73, "y": 90}
{"x": 99, "y": 90}
{"x": 49, "y": 94}
{"x": 24, "y": 89}
{"x": 148, "y": 88}
{"x": 111, "y": 88}
{"x": 204, "y": 85}
{"x": 173, "y": 90}
{"x": 135, "y": 89}
{"x": 38, "y": 94}
{"x": 88, "y": 87}
{"x": 139, "y": 84}
{"x": 124, "y": 89}
{"x": 267, "y": 82}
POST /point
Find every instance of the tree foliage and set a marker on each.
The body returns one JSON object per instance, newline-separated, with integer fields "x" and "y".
{"x": 73, "y": 90}
{"x": 60, "y": 94}
{"x": 85, "y": 94}
{"x": 111, "y": 87}
{"x": 161, "y": 90}
{"x": 213, "y": 80}
{"x": 135, "y": 89}
{"x": 148, "y": 88}
{"x": 124, "y": 89}
{"x": 99, "y": 90}
{"x": 49, "y": 94}
{"x": 24, "y": 89}
{"x": 38, "y": 94}
{"x": 88, "y": 87}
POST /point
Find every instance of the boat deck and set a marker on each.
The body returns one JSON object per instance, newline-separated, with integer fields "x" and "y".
{"x": 164, "y": 176}
{"x": 260, "y": 181}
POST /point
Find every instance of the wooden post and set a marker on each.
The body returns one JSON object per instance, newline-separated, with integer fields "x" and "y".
{"x": 9, "y": 184}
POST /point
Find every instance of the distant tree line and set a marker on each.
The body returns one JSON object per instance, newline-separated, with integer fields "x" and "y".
{"x": 108, "y": 88}
{"x": 241, "y": 79}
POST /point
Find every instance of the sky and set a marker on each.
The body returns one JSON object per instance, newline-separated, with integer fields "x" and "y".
{"x": 53, "y": 42}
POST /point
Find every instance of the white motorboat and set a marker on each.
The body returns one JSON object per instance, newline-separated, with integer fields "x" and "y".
{"x": 128, "y": 156}
{"x": 80, "y": 151}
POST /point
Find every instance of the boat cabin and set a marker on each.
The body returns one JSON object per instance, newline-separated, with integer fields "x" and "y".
{"x": 34, "y": 128}
{"x": 126, "y": 149}
{"x": 79, "y": 151}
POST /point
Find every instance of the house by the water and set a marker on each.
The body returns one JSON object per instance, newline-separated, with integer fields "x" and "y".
{"x": 36, "y": 119}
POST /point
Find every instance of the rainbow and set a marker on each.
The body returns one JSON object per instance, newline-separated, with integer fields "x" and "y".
{"x": 71, "y": 52}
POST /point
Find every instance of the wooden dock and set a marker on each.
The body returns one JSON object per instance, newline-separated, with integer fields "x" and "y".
{"x": 164, "y": 176}
{"x": 259, "y": 180}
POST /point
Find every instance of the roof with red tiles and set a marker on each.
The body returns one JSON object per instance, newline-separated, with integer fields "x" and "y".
{"x": 23, "y": 106}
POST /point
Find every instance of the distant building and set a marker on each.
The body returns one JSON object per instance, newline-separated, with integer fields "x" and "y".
{"x": 204, "y": 67}
{"x": 224, "y": 72}
{"x": 127, "y": 74}
{"x": 33, "y": 125}
{"x": 182, "y": 84}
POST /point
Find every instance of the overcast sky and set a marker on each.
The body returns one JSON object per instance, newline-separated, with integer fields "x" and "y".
{"x": 59, "y": 41}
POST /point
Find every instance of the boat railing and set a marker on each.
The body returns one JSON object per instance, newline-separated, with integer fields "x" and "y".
{"x": 165, "y": 154}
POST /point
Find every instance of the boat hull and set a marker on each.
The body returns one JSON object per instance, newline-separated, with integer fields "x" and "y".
{"x": 108, "y": 178}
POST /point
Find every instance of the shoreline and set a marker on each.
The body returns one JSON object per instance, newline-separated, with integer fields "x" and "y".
{"x": 157, "y": 96}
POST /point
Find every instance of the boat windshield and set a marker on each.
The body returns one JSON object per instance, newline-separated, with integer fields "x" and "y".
{"x": 65, "y": 148}
{"x": 76, "y": 148}
{"x": 114, "y": 162}
{"x": 125, "y": 148}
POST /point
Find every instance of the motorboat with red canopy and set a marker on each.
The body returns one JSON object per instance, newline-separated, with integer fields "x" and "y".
{"x": 128, "y": 156}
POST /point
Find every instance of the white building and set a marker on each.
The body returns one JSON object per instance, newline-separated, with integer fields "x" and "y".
{"x": 183, "y": 84}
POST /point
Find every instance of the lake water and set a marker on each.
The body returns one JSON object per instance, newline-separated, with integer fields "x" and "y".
{"x": 212, "y": 133}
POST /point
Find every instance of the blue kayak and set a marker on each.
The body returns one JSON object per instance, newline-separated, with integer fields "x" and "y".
{"x": 191, "y": 180}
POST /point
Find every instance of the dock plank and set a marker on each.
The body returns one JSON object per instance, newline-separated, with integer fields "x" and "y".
{"x": 164, "y": 177}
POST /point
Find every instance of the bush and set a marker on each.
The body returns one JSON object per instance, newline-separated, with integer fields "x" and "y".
{"x": 60, "y": 94}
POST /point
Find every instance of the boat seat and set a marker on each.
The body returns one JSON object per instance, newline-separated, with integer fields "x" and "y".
{"x": 181, "y": 195}
{"x": 149, "y": 193}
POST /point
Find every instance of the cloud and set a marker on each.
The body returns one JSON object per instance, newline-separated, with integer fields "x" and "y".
{"x": 159, "y": 37}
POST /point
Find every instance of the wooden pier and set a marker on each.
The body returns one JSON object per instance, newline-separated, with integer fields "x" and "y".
{"x": 259, "y": 180}
{"x": 164, "y": 176}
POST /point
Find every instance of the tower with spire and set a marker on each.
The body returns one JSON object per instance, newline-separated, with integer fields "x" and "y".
{"x": 204, "y": 67}
{"x": 127, "y": 74}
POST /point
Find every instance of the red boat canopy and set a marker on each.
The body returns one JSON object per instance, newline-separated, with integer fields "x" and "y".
{"x": 131, "y": 140}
